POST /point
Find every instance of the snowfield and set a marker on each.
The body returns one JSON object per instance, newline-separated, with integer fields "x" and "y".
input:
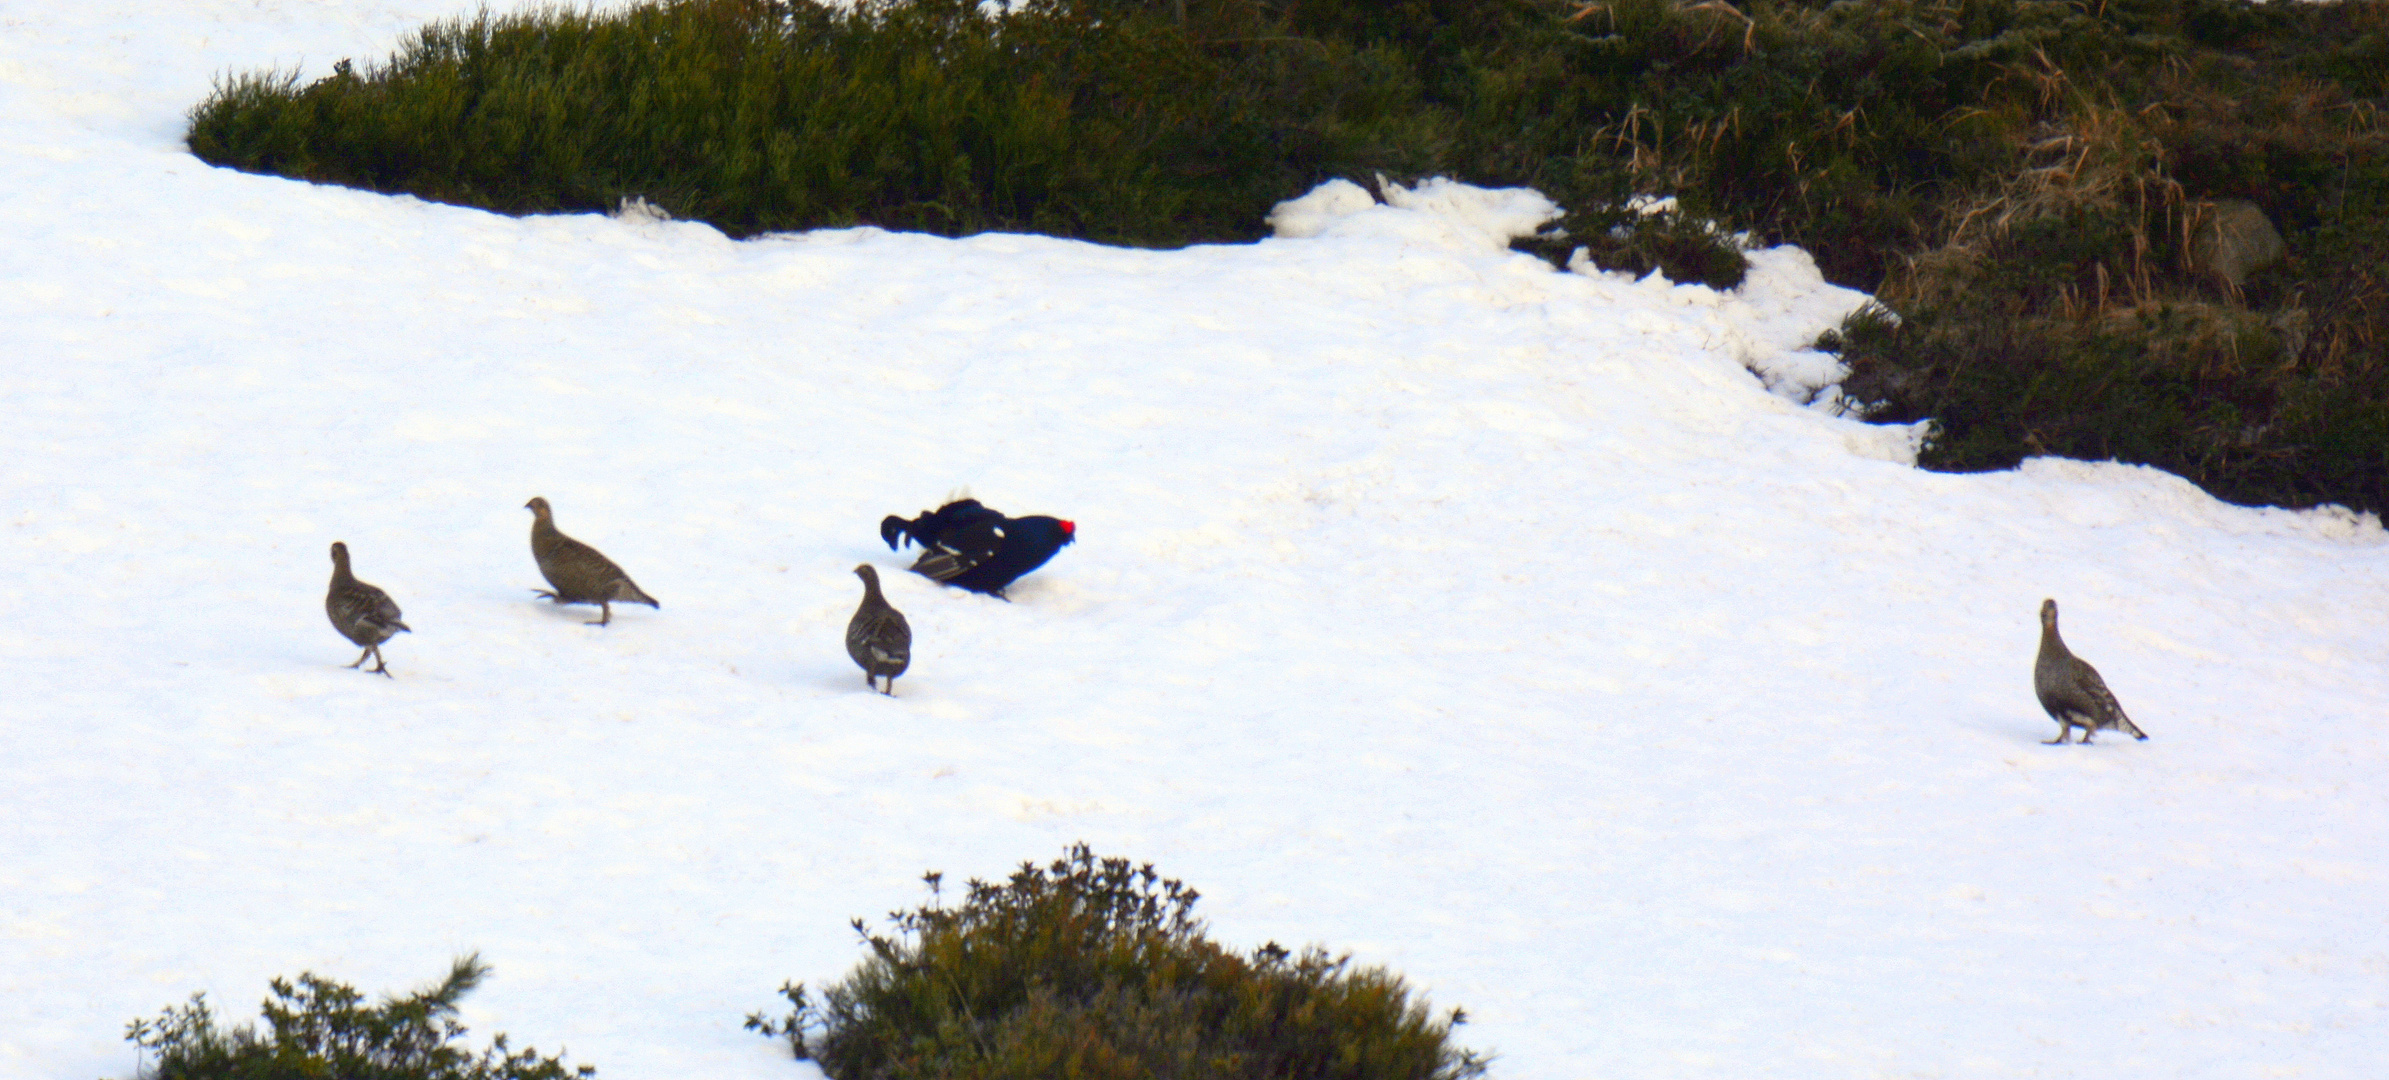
{"x": 1493, "y": 622}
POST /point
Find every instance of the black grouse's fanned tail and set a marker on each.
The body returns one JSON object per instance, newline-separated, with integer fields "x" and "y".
{"x": 926, "y": 529}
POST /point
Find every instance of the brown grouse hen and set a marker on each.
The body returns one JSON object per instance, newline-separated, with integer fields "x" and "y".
{"x": 2071, "y": 690}
{"x": 579, "y": 573}
{"x": 878, "y": 637}
{"x": 362, "y": 613}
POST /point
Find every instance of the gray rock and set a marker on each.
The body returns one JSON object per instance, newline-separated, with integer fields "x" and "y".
{"x": 2231, "y": 239}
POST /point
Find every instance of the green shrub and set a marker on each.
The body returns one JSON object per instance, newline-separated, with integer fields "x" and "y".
{"x": 2062, "y": 308}
{"x": 1078, "y": 118}
{"x": 1688, "y": 250}
{"x": 318, "y": 1029}
{"x": 1091, "y": 969}
{"x": 2017, "y": 180}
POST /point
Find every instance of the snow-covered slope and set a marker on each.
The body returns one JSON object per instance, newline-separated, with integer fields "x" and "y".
{"x": 1490, "y": 621}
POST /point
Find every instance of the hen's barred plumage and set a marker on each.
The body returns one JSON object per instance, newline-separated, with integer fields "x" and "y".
{"x": 578, "y": 572}
{"x": 363, "y": 614}
{"x": 2071, "y": 690}
{"x": 878, "y": 637}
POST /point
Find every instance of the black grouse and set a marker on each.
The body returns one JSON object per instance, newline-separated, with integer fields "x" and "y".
{"x": 2071, "y": 690}
{"x": 924, "y": 530}
{"x": 580, "y": 574}
{"x": 878, "y": 637}
{"x": 363, "y": 614}
{"x": 969, "y": 546}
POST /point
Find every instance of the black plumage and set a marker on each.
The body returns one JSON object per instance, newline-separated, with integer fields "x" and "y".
{"x": 969, "y": 546}
{"x": 878, "y": 637}
{"x": 579, "y": 573}
{"x": 925, "y": 530}
{"x": 362, "y": 613}
{"x": 2071, "y": 690}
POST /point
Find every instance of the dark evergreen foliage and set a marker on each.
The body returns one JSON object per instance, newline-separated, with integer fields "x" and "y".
{"x": 1071, "y": 117}
{"x": 1094, "y": 969}
{"x": 2021, "y": 182}
{"x": 320, "y": 1028}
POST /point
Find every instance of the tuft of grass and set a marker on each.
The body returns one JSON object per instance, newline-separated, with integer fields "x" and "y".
{"x": 319, "y": 1028}
{"x": 2022, "y": 183}
{"x": 1095, "y": 969}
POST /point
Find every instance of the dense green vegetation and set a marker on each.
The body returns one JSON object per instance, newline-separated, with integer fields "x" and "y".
{"x": 1094, "y": 969}
{"x": 2025, "y": 184}
{"x": 1091, "y": 120}
{"x": 321, "y": 1029}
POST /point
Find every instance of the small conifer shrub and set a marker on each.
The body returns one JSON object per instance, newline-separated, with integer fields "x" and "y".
{"x": 1093, "y": 969}
{"x": 320, "y": 1029}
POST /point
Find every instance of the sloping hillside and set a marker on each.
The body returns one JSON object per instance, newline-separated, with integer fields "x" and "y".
{"x": 1492, "y": 622}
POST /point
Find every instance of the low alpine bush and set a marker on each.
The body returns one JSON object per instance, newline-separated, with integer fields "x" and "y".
{"x": 319, "y": 1029}
{"x": 1087, "y": 118}
{"x": 1093, "y": 969}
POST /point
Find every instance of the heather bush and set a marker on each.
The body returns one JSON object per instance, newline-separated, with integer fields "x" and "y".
{"x": 320, "y": 1029}
{"x": 1093, "y": 969}
{"x": 1070, "y": 117}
